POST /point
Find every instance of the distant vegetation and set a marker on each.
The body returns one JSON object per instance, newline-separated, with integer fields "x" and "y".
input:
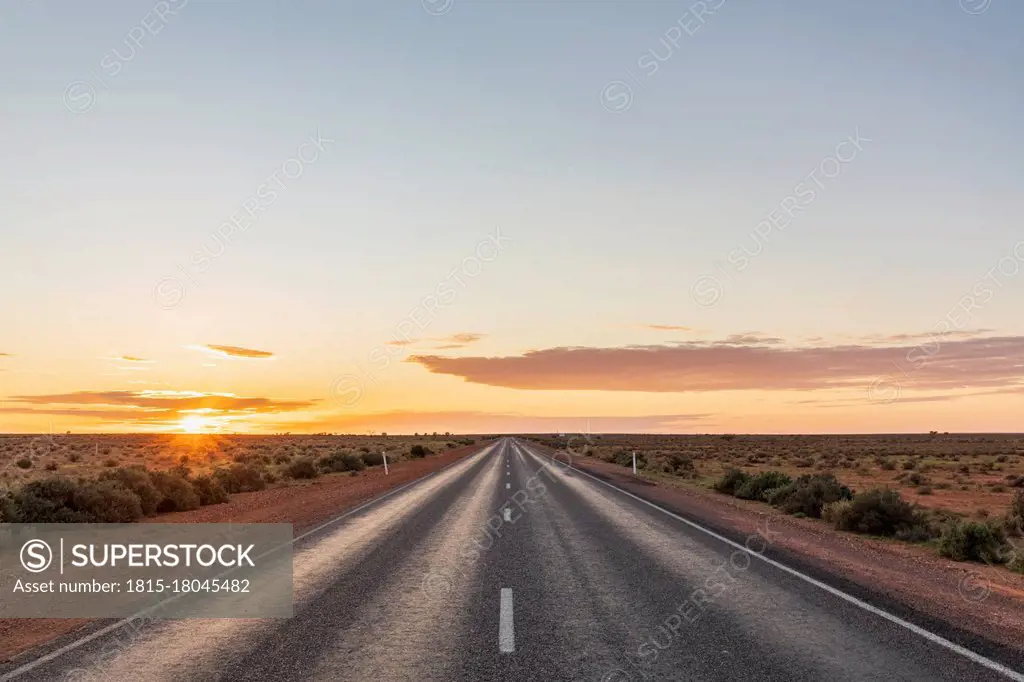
{"x": 914, "y": 485}
{"x": 119, "y": 479}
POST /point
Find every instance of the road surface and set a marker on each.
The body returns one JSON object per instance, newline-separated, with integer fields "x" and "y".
{"x": 577, "y": 580}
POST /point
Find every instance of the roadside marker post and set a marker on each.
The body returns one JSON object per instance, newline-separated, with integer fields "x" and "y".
{"x": 385, "y": 463}
{"x": 634, "y": 462}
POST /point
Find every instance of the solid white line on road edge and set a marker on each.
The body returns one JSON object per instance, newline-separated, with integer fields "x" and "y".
{"x": 508, "y": 486}
{"x": 916, "y": 629}
{"x": 506, "y": 630}
{"x": 42, "y": 660}
{"x": 508, "y": 514}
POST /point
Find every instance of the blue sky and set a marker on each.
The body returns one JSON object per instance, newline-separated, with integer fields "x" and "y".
{"x": 490, "y": 115}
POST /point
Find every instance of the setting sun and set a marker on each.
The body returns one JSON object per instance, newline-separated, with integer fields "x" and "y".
{"x": 195, "y": 423}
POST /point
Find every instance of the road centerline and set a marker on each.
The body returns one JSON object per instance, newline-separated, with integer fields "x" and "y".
{"x": 506, "y": 629}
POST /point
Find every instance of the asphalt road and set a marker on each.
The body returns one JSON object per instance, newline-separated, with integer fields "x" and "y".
{"x": 576, "y": 581}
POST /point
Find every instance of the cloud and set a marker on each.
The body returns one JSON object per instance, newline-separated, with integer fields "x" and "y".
{"x": 746, "y": 364}
{"x": 487, "y": 422}
{"x": 669, "y": 328}
{"x": 401, "y": 342}
{"x": 132, "y": 358}
{"x": 238, "y": 351}
{"x": 464, "y": 338}
{"x": 927, "y": 336}
{"x": 152, "y": 407}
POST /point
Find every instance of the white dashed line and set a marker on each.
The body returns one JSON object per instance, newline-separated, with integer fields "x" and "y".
{"x": 508, "y": 486}
{"x": 508, "y": 514}
{"x": 506, "y": 630}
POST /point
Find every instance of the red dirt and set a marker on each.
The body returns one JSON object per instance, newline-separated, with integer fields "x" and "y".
{"x": 304, "y": 505}
{"x": 983, "y": 600}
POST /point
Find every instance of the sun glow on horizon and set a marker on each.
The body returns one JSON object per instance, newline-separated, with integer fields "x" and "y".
{"x": 197, "y": 423}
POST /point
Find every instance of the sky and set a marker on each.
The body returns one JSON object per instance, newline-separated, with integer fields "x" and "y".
{"x": 511, "y": 216}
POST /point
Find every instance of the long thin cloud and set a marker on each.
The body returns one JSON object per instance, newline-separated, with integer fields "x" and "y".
{"x": 238, "y": 351}
{"x": 735, "y": 364}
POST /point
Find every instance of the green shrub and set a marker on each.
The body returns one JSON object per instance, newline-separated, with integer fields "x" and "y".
{"x": 8, "y": 508}
{"x": 137, "y": 480}
{"x": 240, "y": 478}
{"x": 731, "y": 481}
{"x": 373, "y": 459}
{"x": 418, "y": 451}
{"x": 833, "y": 511}
{"x": 107, "y": 502}
{"x": 48, "y": 500}
{"x": 343, "y": 461}
{"x": 680, "y": 465}
{"x": 61, "y": 500}
{"x": 879, "y": 512}
{"x": 176, "y": 493}
{"x": 809, "y": 493}
{"x": 354, "y": 461}
{"x": 755, "y": 487}
{"x": 303, "y": 467}
{"x": 210, "y": 490}
{"x": 24, "y": 463}
{"x": 1015, "y": 515}
{"x": 973, "y": 541}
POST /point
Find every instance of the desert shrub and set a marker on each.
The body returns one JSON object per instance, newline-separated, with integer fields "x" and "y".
{"x": 354, "y": 461}
{"x": 833, "y": 511}
{"x": 8, "y": 508}
{"x": 51, "y": 466}
{"x": 240, "y": 478}
{"x": 343, "y": 461}
{"x": 137, "y": 480}
{"x": 680, "y": 465}
{"x": 418, "y": 451}
{"x": 303, "y": 467}
{"x": 624, "y": 458}
{"x": 755, "y": 487}
{"x": 110, "y": 463}
{"x": 60, "y": 500}
{"x": 731, "y": 481}
{"x": 879, "y": 512}
{"x": 24, "y": 463}
{"x": 924, "y": 490}
{"x": 210, "y": 490}
{"x": 887, "y": 465}
{"x": 106, "y": 502}
{"x": 1015, "y": 514}
{"x": 809, "y": 493}
{"x": 373, "y": 459}
{"x": 176, "y": 493}
{"x": 973, "y": 541}
{"x": 48, "y": 500}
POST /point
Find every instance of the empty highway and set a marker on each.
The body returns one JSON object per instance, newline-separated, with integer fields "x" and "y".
{"x": 509, "y": 566}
